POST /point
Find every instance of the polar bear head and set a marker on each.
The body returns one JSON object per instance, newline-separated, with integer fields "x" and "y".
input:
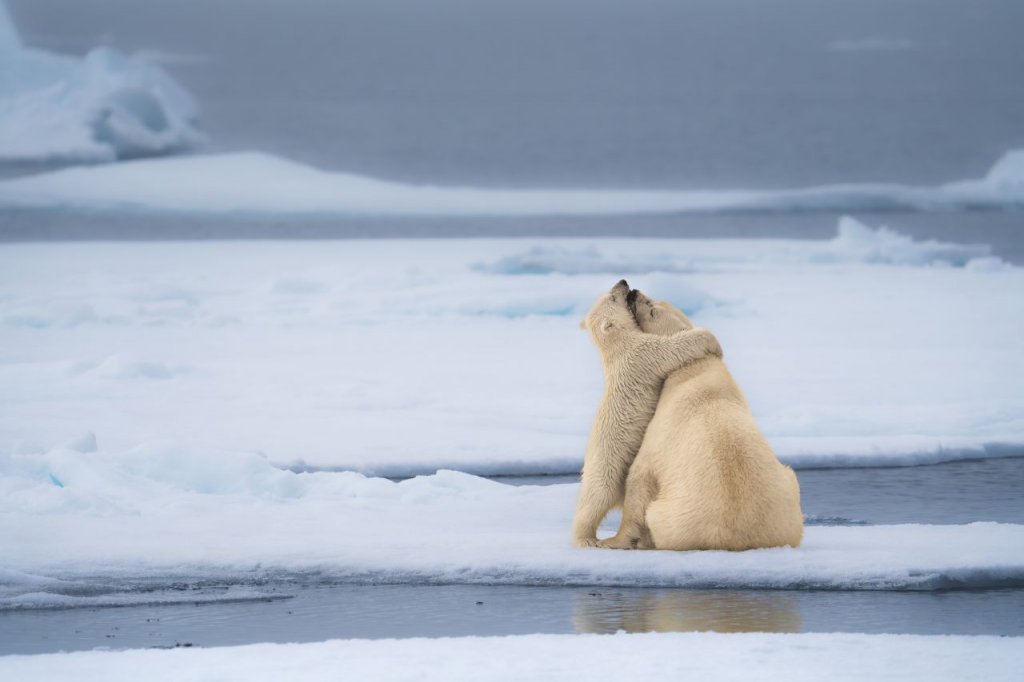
{"x": 610, "y": 317}
{"x": 656, "y": 317}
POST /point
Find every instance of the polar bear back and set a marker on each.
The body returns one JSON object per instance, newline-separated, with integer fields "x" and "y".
{"x": 719, "y": 485}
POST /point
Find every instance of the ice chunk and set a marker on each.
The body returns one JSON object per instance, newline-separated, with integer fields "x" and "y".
{"x": 1009, "y": 170}
{"x": 857, "y": 242}
{"x": 987, "y": 264}
{"x": 102, "y": 107}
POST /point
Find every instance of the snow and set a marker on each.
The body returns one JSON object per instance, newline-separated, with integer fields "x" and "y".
{"x": 163, "y": 513}
{"x": 692, "y": 655}
{"x": 256, "y": 183}
{"x": 153, "y": 393}
{"x": 403, "y": 357}
{"x": 101, "y": 107}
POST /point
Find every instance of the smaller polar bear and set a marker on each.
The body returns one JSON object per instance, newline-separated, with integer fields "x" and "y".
{"x": 705, "y": 477}
{"x": 635, "y": 364}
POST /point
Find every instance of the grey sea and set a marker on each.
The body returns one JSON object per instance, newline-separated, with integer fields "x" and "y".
{"x": 576, "y": 93}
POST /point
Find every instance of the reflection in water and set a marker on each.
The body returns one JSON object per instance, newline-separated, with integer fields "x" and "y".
{"x": 652, "y": 610}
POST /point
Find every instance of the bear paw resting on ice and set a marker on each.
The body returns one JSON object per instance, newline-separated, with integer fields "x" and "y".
{"x": 704, "y": 477}
{"x": 635, "y": 365}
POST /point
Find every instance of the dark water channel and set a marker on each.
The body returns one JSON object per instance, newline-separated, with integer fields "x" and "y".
{"x": 949, "y": 493}
{"x": 379, "y": 611}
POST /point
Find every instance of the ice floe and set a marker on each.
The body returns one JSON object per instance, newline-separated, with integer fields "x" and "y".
{"x": 690, "y": 655}
{"x": 166, "y": 513}
{"x": 402, "y": 357}
{"x": 101, "y": 107}
{"x": 256, "y": 183}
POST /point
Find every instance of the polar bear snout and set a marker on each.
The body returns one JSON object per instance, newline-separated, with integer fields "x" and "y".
{"x": 631, "y": 301}
{"x": 620, "y": 287}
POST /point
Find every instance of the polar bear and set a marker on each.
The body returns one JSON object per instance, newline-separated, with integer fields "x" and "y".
{"x": 705, "y": 477}
{"x": 635, "y": 364}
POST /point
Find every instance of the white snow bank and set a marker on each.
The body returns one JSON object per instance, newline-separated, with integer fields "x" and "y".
{"x": 694, "y": 655}
{"x": 256, "y": 183}
{"x": 402, "y": 357}
{"x": 101, "y": 107}
{"x": 163, "y": 512}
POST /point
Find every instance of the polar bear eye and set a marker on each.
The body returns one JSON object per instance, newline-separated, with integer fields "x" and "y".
{"x": 652, "y": 312}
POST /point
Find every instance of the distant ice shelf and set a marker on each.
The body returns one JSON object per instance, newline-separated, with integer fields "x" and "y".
{"x": 254, "y": 183}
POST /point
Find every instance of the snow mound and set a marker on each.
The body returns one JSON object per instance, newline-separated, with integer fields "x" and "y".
{"x": 102, "y": 107}
{"x": 751, "y": 657}
{"x": 146, "y": 514}
{"x": 260, "y": 184}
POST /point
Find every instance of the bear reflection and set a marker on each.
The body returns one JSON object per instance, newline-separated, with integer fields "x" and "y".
{"x": 650, "y": 610}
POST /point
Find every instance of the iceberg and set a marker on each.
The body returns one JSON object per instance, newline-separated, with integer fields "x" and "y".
{"x": 104, "y": 106}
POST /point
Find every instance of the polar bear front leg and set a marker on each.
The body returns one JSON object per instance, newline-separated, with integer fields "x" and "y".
{"x": 600, "y": 491}
{"x": 641, "y": 489}
{"x": 659, "y": 356}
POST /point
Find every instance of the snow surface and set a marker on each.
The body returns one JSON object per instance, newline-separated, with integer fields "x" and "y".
{"x": 690, "y": 656}
{"x": 403, "y": 357}
{"x": 257, "y": 183}
{"x": 101, "y": 107}
{"x": 150, "y": 390}
{"x": 164, "y": 513}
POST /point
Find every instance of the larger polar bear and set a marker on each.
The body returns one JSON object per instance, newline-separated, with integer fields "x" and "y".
{"x": 705, "y": 477}
{"x": 635, "y": 365}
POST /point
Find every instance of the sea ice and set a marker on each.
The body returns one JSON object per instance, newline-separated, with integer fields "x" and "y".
{"x": 403, "y": 357}
{"x": 165, "y": 513}
{"x": 689, "y": 655}
{"x": 101, "y": 107}
{"x": 256, "y": 183}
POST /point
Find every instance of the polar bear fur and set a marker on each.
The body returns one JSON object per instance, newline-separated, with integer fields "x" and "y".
{"x": 705, "y": 477}
{"x": 635, "y": 365}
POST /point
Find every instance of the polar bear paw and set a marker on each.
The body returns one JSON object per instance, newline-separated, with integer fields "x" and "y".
{"x": 586, "y": 542}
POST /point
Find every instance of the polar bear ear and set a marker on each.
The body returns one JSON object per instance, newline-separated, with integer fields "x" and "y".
{"x": 583, "y": 324}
